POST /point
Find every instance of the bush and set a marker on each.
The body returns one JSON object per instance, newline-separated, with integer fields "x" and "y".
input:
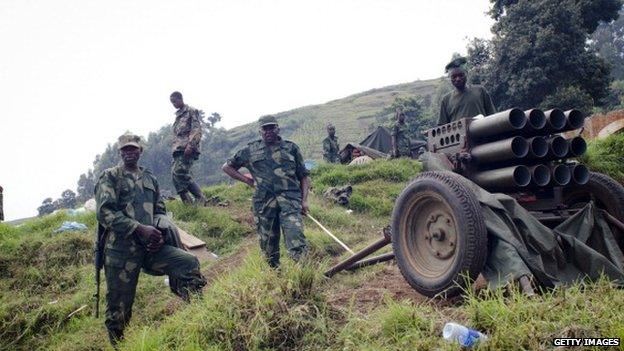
{"x": 606, "y": 156}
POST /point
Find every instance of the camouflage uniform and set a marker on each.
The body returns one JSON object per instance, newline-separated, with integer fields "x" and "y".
{"x": 399, "y": 130}
{"x": 331, "y": 149}
{"x": 277, "y": 171}
{"x": 186, "y": 131}
{"x": 124, "y": 200}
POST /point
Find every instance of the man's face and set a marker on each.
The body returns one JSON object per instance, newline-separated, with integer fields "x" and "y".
{"x": 130, "y": 155}
{"x": 458, "y": 78}
{"x": 269, "y": 133}
{"x": 176, "y": 102}
{"x": 331, "y": 131}
{"x": 401, "y": 117}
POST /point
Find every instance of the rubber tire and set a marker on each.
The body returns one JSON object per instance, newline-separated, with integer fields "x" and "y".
{"x": 471, "y": 250}
{"x": 609, "y": 195}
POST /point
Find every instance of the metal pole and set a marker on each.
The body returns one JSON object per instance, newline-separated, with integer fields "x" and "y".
{"x": 330, "y": 234}
{"x": 613, "y": 220}
{"x": 359, "y": 255}
{"x": 371, "y": 261}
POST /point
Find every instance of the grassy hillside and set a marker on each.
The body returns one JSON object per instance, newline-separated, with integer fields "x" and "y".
{"x": 44, "y": 277}
{"x": 352, "y": 116}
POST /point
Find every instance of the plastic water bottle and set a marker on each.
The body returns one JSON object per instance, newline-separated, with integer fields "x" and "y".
{"x": 464, "y": 336}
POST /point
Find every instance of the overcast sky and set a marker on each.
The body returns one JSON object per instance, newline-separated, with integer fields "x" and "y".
{"x": 75, "y": 74}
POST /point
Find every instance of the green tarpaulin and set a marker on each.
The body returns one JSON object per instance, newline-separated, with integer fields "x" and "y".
{"x": 582, "y": 247}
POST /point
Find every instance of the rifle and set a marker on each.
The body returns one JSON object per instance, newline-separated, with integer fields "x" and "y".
{"x": 99, "y": 263}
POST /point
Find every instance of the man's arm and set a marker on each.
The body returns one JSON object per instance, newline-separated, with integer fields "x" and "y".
{"x": 443, "y": 117}
{"x": 305, "y": 189}
{"x": 108, "y": 212}
{"x": 111, "y": 216}
{"x": 235, "y": 174}
{"x": 194, "y": 135}
{"x": 159, "y": 204}
{"x": 487, "y": 103}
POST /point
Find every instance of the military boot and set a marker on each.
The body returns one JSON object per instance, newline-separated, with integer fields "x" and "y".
{"x": 197, "y": 193}
{"x": 186, "y": 197}
{"x": 115, "y": 336}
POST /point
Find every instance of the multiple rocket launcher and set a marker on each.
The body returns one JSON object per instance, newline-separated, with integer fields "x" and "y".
{"x": 515, "y": 149}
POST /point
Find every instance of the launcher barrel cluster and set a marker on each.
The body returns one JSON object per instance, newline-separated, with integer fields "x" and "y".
{"x": 515, "y": 149}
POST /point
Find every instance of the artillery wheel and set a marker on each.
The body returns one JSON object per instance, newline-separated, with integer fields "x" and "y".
{"x": 438, "y": 234}
{"x": 608, "y": 194}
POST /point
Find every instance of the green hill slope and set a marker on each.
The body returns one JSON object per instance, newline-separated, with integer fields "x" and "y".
{"x": 353, "y": 116}
{"x": 46, "y": 278}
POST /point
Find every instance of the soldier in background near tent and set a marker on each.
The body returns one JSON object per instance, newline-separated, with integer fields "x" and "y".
{"x": 400, "y": 139}
{"x": 330, "y": 146}
{"x": 187, "y": 133}
{"x": 464, "y": 101}
{"x": 128, "y": 207}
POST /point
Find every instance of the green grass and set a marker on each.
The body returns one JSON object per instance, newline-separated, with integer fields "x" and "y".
{"x": 251, "y": 307}
{"x": 606, "y": 156}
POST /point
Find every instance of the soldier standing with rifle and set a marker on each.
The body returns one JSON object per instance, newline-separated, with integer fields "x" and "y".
{"x": 466, "y": 100}
{"x": 330, "y": 146}
{"x": 282, "y": 183}
{"x": 1, "y": 204}
{"x": 128, "y": 210}
{"x": 187, "y": 133}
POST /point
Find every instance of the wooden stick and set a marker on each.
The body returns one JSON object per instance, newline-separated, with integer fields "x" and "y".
{"x": 330, "y": 234}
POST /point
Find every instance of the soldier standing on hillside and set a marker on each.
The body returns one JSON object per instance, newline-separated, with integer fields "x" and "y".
{"x": 330, "y": 146}
{"x": 400, "y": 139}
{"x": 281, "y": 182}
{"x": 187, "y": 133}
{"x": 128, "y": 209}
{"x": 466, "y": 100}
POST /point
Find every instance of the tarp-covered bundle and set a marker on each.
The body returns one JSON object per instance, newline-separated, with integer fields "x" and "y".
{"x": 584, "y": 246}
{"x": 377, "y": 144}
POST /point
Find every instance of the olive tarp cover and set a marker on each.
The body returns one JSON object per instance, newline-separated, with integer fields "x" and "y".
{"x": 377, "y": 144}
{"x": 582, "y": 247}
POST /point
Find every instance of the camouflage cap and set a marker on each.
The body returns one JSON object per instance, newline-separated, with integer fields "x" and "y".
{"x": 266, "y": 120}
{"x": 129, "y": 139}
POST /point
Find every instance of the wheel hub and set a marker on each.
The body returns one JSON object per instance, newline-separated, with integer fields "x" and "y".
{"x": 440, "y": 235}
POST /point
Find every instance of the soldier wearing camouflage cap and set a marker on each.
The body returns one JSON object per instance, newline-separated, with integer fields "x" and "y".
{"x": 132, "y": 214}
{"x": 281, "y": 182}
{"x": 187, "y": 133}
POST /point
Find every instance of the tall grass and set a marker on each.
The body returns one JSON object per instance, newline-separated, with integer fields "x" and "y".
{"x": 606, "y": 156}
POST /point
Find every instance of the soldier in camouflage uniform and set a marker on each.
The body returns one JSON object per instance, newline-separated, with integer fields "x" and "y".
{"x": 400, "y": 139}
{"x": 281, "y": 182}
{"x": 187, "y": 133}
{"x": 330, "y": 146}
{"x": 128, "y": 207}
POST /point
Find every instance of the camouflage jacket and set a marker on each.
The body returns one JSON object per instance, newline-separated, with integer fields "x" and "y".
{"x": 123, "y": 201}
{"x": 186, "y": 129}
{"x": 331, "y": 149}
{"x": 277, "y": 169}
{"x": 402, "y": 138}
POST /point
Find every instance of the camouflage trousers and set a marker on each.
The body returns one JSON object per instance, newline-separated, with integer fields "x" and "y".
{"x": 277, "y": 213}
{"x": 331, "y": 158}
{"x": 181, "y": 171}
{"x": 122, "y": 268}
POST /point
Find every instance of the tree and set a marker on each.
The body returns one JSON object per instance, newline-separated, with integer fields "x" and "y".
{"x": 608, "y": 42}
{"x": 46, "y": 207}
{"x": 68, "y": 199}
{"x": 86, "y": 186}
{"x": 539, "y": 53}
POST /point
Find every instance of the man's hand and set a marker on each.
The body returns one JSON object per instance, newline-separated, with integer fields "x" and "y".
{"x": 188, "y": 151}
{"x": 304, "y": 208}
{"x": 249, "y": 180}
{"x": 152, "y": 236}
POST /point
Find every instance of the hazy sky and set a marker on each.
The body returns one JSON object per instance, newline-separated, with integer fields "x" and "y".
{"x": 75, "y": 74}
